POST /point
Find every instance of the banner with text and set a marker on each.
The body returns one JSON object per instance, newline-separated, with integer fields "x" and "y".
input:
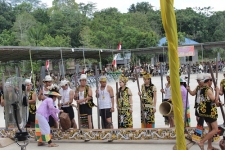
{"x": 186, "y": 51}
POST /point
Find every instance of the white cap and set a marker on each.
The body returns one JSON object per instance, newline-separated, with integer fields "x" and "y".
{"x": 64, "y": 82}
{"x": 47, "y": 78}
{"x": 200, "y": 76}
{"x": 182, "y": 80}
{"x": 28, "y": 81}
{"x": 207, "y": 76}
{"x": 83, "y": 76}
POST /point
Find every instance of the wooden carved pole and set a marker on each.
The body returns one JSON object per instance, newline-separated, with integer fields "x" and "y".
{"x": 78, "y": 105}
{"x": 96, "y": 79}
{"x": 117, "y": 103}
{"x": 142, "y": 107}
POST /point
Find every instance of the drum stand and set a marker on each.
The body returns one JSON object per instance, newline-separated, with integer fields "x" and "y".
{"x": 21, "y": 136}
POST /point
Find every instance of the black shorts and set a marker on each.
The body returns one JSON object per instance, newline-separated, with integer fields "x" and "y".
{"x": 69, "y": 110}
{"x": 85, "y": 109}
{"x": 196, "y": 112}
{"x": 209, "y": 120}
{"x": 51, "y": 121}
{"x": 105, "y": 113}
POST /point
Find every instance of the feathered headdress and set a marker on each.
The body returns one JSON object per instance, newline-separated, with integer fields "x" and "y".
{"x": 53, "y": 88}
{"x": 146, "y": 75}
{"x": 123, "y": 78}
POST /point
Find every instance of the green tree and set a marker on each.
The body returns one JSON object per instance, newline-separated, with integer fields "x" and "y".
{"x": 8, "y": 38}
{"x": 62, "y": 4}
{"x": 138, "y": 20}
{"x": 220, "y": 30}
{"x": 87, "y": 9}
{"x": 36, "y": 34}
{"x": 68, "y": 22}
{"x": 7, "y": 16}
{"x": 143, "y": 7}
{"x": 41, "y": 15}
{"x": 107, "y": 26}
{"x": 23, "y": 23}
{"x": 23, "y": 7}
{"x": 86, "y": 37}
{"x": 57, "y": 41}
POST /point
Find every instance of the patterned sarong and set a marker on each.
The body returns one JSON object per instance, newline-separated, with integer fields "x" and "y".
{"x": 42, "y": 129}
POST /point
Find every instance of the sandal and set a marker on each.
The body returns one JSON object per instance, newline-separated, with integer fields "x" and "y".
{"x": 201, "y": 146}
{"x": 53, "y": 145}
{"x": 41, "y": 144}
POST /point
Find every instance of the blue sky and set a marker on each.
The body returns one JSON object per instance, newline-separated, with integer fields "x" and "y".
{"x": 123, "y": 5}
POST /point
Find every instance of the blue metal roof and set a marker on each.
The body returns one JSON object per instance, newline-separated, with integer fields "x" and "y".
{"x": 187, "y": 41}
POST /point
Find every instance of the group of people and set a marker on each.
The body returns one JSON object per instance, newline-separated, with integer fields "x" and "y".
{"x": 46, "y": 115}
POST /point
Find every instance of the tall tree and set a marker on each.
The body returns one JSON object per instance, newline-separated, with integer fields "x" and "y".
{"x": 8, "y": 38}
{"x": 57, "y": 41}
{"x": 23, "y": 23}
{"x": 36, "y": 34}
{"x": 7, "y": 16}
{"x": 41, "y": 15}
{"x": 61, "y": 4}
{"x": 86, "y": 37}
{"x": 143, "y": 7}
{"x": 87, "y": 9}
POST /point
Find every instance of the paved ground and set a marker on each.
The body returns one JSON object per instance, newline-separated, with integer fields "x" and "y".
{"x": 136, "y": 120}
{"x": 155, "y": 145}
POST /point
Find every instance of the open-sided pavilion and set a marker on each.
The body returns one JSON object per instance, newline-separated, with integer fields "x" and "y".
{"x": 18, "y": 53}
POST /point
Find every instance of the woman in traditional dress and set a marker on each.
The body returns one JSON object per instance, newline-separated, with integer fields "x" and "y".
{"x": 42, "y": 128}
{"x": 185, "y": 101}
{"x": 44, "y": 90}
{"x": 31, "y": 97}
{"x": 148, "y": 102}
{"x": 124, "y": 104}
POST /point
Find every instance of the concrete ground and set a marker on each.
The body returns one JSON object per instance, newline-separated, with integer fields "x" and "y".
{"x": 131, "y": 145}
{"x": 116, "y": 145}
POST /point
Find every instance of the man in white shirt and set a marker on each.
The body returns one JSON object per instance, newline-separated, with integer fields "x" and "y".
{"x": 66, "y": 100}
{"x": 106, "y": 103}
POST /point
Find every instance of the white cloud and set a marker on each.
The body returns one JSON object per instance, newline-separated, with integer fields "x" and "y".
{"x": 123, "y": 5}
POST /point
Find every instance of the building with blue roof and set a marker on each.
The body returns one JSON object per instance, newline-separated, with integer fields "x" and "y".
{"x": 186, "y": 42}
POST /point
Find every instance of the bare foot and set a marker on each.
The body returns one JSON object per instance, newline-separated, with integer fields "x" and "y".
{"x": 53, "y": 145}
{"x": 201, "y": 146}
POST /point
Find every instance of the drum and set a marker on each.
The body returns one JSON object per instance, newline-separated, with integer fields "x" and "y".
{"x": 166, "y": 109}
{"x": 65, "y": 121}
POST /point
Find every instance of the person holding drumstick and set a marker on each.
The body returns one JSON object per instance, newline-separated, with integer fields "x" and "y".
{"x": 169, "y": 120}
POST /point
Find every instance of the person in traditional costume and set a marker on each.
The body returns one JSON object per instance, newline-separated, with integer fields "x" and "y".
{"x": 47, "y": 83}
{"x": 222, "y": 85}
{"x": 31, "y": 98}
{"x": 124, "y": 104}
{"x": 169, "y": 120}
{"x": 83, "y": 96}
{"x": 67, "y": 95}
{"x": 196, "y": 93}
{"x": 148, "y": 101}
{"x": 208, "y": 110}
{"x": 42, "y": 128}
{"x": 186, "y": 105}
{"x": 105, "y": 97}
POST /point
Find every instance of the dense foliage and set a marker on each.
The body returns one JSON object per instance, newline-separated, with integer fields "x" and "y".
{"x": 69, "y": 24}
